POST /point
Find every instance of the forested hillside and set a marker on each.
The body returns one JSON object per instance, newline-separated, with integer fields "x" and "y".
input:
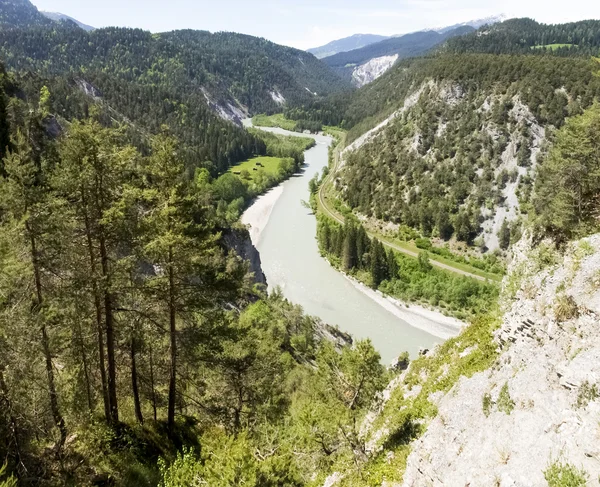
{"x": 526, "y": 36}
{"x": 459, "y": 157}
{"x": 195, "y": 82}
{"x": 463, "y": 131}
{"x": 244, "y": 70}
{"x": 20, "y": 13}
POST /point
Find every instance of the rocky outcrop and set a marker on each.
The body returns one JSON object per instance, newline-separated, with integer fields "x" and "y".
{"x": 227, "y": 109}
{"x": 89, "y": 89}
{"x": 239, "y": 241}
{"x": 52, "y": 127}
{"x": 370, "y": 71}
{"x": 540, "y": 404}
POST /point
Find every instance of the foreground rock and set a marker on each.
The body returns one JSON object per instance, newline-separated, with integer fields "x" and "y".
{"x": 539, "y": 406}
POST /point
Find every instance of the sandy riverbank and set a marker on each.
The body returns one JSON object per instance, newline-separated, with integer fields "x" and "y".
{"x": 430, "y": 321}
{"x": 257, "y": 215}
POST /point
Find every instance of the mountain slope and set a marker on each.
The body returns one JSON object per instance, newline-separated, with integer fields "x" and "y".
{"x": 355, "y": 41}
{"x": 20, "y": 13}
{"x": 534, "y": 416}
{"x": 255, "y": 72}
{"x": 409, "y": 45}
{"x": 57, "y": 17}
{"x": 189, "y": 80}
{"x": 512, "y": 401}
{"x": 456, "y": 155}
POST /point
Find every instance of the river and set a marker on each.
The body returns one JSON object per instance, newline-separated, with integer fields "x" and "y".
{"x": 291, "y": 260}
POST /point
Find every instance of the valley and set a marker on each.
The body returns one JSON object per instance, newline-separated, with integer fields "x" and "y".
{"x": 229, "y": 262}
{"x": 291, "y": 261}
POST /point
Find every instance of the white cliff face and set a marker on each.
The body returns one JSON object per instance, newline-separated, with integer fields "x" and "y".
{"x": 277, "y": 97}
{"x": 370, "y": 71}
{"x": 549, "y": 370}
{"x": 230, "y": 110}
{"x": 510, "y": 210}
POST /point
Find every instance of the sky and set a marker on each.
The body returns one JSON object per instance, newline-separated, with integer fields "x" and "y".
{"x": 311, "y": 23}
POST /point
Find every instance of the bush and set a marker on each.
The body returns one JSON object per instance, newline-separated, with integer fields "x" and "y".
{"x": 487, "y": 404}
{"x": 402, "y": 362}
{"x": 565, "y": 308}
{"x": 423, "y": 243}
{"x": 587, "y": 393}
{"x": 505, "y": 402}
{"x": 8, "y": 481}
{"x": 565, "y": 475}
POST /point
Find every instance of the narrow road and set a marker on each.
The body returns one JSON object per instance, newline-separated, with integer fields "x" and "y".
{"x": 332, "y": 214}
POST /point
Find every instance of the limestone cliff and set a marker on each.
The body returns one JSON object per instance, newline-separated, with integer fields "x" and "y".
{"x": 538, "y": 405}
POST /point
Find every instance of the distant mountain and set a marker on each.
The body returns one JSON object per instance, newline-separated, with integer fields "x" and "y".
{"x": 346, "y": 44}
{"x": 57, "y": 17}
{"x": 355, "y": 65}
{"x": 476, "y": 24}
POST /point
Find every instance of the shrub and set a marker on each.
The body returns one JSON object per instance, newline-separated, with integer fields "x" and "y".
{"x": 402, "y": 362}
{"x": 587, "y": 393}
{"x": 9, "y": 481}
{"x": 565, "y": 475}
{"x": 505, "y": 402}
{"x": 423, "y": 243}
{"x": 565, "y": 308}
{"x": 487, "y": 404}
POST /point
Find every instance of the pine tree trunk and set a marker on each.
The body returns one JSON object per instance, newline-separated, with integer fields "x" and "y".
{"x": 58, "y": 419}
{"x": 86, "y": 374}
{"x": 14, "y": 431}
{"x": 173, "y": 336}
{"x": 134, "y": 384}
{"x": 98, "y": 307}
{"x": 110, "y": 335}
{"x": 152, "y": 384}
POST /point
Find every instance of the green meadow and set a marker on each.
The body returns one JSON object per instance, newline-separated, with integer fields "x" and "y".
{"x": 248, "y": 170}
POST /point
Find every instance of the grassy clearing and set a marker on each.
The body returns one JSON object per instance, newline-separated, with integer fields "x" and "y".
{"x": 552, "y": 47}
{"x": 249, "y": 169}
{"x": 277, "y": 120}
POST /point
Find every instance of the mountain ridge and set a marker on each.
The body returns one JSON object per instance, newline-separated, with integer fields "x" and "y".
{"x": 408, "y": 45}
{"x": 355, "y": 41}
{"x": 57, "y": 17}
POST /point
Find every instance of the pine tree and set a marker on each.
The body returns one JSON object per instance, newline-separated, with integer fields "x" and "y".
{"x": 349, "y": 256}
{"x": 362, "y": 245}
{"x": 24, "y": 199}
{"x": 93, "y": 168}
{"x": 504, "y": 235}
{"x": 393, "y": 268}
{"x": 379, "y": 263}
{"x": 180, "y": 240}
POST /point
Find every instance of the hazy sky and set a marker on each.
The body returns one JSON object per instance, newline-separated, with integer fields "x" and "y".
{"x": 311, "y": 23}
